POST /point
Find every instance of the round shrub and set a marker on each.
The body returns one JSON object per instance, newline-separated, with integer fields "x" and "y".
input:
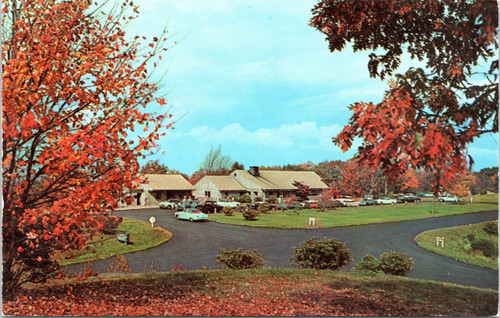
{"x": 245, "y": 198}
{"x": 328, "y": 253}
{"x": 368, "y": 264}
{"x": 110, "y": 225}
{"x": 395, "y": 263}
{"x": 228, "y": 211}
{"x": 491, "y": 228}
{"x": 240, "y": 259}
{"x": 250, "y": 214}
{"x": 488, "y": 248}
{"x": 264, "y": 207}
{"x": 272, "y": 199}
{"x": 471, "y": 237}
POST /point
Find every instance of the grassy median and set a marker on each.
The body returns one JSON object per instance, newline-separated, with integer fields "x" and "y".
{"x": 358, "y": 215}
{"x": 457, "y": 243}
{"x": 141, "y": 237}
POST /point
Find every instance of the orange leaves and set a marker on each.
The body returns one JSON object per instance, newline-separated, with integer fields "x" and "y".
{"x": 395, "y": 137}
{"x": 29, "y": 121}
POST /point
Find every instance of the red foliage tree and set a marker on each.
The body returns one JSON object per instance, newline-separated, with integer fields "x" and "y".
{"x": 430, "y": 114}
{"x": 409, "y": 181}
{"x": 303, "y": 191}
{"x": 461, "y": 185}
{"x": 72, "y": 87}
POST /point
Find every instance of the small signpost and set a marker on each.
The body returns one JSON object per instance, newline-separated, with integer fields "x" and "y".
{"x": 152, "y": 220}
{"x": 439, "y": 241}
{"x": 312, "y": 221}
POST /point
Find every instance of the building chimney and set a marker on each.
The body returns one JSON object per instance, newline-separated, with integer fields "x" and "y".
{"x": 254, "y": 171}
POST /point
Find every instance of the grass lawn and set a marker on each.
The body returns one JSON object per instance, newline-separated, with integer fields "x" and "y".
{"x": 261, "y": 292}
{"x": 457, "y": 245}
{"x": 141, "y": 237}
{"x": 358, "y": 215}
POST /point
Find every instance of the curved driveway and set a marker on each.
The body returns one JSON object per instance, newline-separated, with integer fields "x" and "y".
{"x": 195, "y": 245}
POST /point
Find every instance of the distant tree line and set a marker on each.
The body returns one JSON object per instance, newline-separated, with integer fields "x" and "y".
{"x": 349, "y": 177}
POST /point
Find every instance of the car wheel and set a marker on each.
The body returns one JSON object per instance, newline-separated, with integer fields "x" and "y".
{"x": 177, "y": 217}
{"x": 169, "y": 207}
{"x": 191, "y": 219}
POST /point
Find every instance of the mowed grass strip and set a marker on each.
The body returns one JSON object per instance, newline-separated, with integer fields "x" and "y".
{"x": 457, "y": 245}
{"x": 350, "y": 216}
{"x": 261, "y": 292}
{"x": 141, "y": 237}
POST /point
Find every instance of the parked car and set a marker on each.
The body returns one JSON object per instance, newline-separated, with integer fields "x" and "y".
{"x": 347, "y": 201}
{"x": 226, "y": 202}
{"x": 351, "y": 203}
{"x": 450, "y": 199}
{"x": 210, "y": 207}
{"x": 311, "y": 204}
{"x": 365, "y": 202}
{"x": 282, "y": 206}
{"x": 191, "y": 215}
{"x": 426, "y": 195}
{"x": 169, "y": 205}
{"x": 386, "y": 200}
{"x": 295, "y": 206}
{"x": 409, "y": 198}
{"x": 188, "y": 204}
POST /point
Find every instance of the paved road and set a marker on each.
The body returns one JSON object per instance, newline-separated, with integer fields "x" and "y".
{"x": 195, "y": 245}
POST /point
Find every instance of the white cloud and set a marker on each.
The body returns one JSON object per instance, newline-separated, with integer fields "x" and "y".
{"x": 286, "y": 135}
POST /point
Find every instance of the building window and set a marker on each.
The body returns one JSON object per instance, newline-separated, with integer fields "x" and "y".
{"x": 207, "y": 194}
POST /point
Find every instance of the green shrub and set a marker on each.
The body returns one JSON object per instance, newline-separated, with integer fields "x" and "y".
{"x": 328, "y": 253}
{"x": 471, "y": 237}
{"x": 368, "y": 264}
{"x": 258, "y": 199}
{"x": 321, "y": 206}
{"x": 111, "y": 225}
{"x": 488, "y": 248}
{"x": 245, "y": 198}
{"x": 250, "y": 214}
{"x": 240, "y": 259}
{"x": 272, "y": 199}
{"x": 491, "y": 228}
{"x": 264, "y": 207}
{"x": 228, "y": 211}
{"x": 395, "y": 263}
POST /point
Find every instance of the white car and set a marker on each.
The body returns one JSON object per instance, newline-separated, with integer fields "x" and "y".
{"x": 191, "y": 215}
{"x": 168, "y": 205}
{"x": 227, "y": 203}
{"x": 350, "y": 202}
{"x": 449, "y": 199}
{"x": 386, "y": 200}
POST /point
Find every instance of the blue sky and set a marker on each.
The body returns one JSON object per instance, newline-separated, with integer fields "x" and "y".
{"x": 252, "y": 76}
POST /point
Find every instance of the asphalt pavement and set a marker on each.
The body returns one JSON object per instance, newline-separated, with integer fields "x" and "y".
{"x": 194, "y": 245}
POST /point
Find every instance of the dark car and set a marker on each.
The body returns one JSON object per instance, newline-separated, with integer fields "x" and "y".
{"x": 409, "y": 198}
{"x": 210, "y": 207}
{"x": 188, "y": 204}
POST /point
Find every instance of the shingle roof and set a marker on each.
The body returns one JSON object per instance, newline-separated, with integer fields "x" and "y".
{"x": 167, "y": 182}
{"x": 283, "y": 180}
{"x": 226, "y": 183}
